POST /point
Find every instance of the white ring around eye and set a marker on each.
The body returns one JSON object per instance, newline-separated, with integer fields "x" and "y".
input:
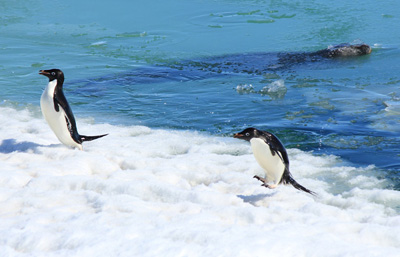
{"x": 247, "y": 134}
{"x": 53, "y": 73}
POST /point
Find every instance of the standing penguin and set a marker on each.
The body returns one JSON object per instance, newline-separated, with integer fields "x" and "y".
{"x": 57, "y": 112}
{"x": 272, "y": 157}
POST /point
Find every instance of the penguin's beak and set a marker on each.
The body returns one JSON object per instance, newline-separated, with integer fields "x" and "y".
{"x": 43, "y": 72}
{"x": 238, "y": 135}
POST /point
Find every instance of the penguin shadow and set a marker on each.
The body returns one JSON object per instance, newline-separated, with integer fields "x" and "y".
{"x": 11, "y": 145}
{"x": 253, "y": 199}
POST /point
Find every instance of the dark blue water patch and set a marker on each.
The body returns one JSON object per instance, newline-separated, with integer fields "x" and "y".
{"x": 328, "y": 106}
{"x": 144, "y": 75}
{"x": 258, "y": 64}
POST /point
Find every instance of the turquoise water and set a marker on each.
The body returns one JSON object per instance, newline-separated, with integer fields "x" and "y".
{"x": 117, "y": 57}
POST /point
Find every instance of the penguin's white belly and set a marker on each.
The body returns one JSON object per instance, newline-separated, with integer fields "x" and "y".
{"x": 56, "y": 120}
{"x": 272, "y": 164}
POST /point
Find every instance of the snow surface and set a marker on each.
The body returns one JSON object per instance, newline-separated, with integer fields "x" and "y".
{"x": 147, "y": 192}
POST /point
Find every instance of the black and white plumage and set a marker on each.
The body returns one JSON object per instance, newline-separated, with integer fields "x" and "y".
{"x": 272, "y": 157}
{"x": 57, "y": 112}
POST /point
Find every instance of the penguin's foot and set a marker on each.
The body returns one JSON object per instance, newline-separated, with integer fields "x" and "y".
{"x": 260, "y": 179}
{"x": 264, "y": 184}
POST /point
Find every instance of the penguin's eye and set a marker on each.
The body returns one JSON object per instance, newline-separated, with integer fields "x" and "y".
{"x": 247, "y": 134}
{"x": 53, "y": 73}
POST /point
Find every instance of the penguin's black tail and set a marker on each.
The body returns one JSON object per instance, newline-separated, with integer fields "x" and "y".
{"x": 90, "y": 138}
{"x": 288, "y": 179}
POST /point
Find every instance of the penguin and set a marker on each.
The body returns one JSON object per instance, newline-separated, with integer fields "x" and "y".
{"x": 272, "y": 157}
{"x": 57, "y": 112}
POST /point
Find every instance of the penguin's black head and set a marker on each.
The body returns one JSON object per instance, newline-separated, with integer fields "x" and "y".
{"x": 247, "y": 134}
{"x": 53, "y": 74}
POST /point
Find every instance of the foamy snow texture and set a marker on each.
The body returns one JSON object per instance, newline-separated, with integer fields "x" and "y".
{"x": 146, "y": 192}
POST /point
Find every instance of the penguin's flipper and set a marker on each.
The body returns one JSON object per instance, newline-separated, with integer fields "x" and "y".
{"x": 56, "y": 104}
{"x": 60, "y": 102}
{"x": 276, "y": 146}
{"x": 73, "y": 132}
{"x": 90, "y": 138}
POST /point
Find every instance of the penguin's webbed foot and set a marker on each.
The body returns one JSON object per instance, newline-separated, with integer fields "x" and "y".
{"x": 264, "y": 184}
{"x": 261, "y": 179}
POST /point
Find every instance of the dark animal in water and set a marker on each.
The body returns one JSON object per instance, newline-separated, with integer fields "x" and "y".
{"x": 247, "y": 63}
{"x": 259, "y": 63}
{"x": 344, "y": 50}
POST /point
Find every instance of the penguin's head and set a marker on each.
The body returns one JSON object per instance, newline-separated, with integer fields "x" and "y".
{"x": 53, "y": 74}
{"x": 247, "y": 134}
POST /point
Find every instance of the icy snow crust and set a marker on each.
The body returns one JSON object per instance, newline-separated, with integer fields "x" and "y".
{"x": 146, "y": 192}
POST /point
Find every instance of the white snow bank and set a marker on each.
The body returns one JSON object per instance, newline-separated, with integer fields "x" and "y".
{"x": 145, "y": 192}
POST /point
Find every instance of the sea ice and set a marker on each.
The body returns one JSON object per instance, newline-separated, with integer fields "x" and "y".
{"x": 154, "y": 192}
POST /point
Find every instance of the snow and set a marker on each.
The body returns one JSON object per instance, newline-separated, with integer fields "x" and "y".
{"x": 153, "y": 192}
